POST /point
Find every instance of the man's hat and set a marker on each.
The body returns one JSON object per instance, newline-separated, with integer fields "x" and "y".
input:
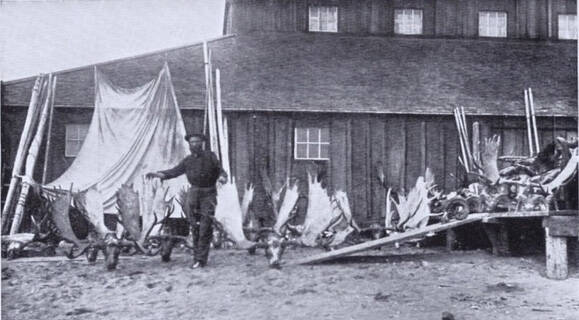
{"x": 197, "y": 135}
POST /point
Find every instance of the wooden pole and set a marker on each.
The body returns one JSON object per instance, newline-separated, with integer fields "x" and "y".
{"x": 534, "y": 121}
{"x": 31, "y": 160}
{"x": 528, "y": 116}
{"x": 223, "y": 147}
{"x": 476, "y": 141}
{"x": 465, "y": 136}
{"x": 48, "y": 135}
{"x": 462, "y": 148}
{"x": 213, "y": 144}
{"x": 22, "y": 148}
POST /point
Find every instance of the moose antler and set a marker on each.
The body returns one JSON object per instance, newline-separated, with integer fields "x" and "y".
{"x": 60, "y": 217}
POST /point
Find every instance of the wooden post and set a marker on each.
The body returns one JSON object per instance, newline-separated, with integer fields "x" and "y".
{"x": 48, "y": 136}
{"x": 22, "y": 148}
{"x": 476, "y": 141}
{"x": 534, "y": 121}
{"x": 528, "y": 116}
{"x": 450, "y": 240}
{"x": 31, "y": 160}
{"x": 556, "y": 252}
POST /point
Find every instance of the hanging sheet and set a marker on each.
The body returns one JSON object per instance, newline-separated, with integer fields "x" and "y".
{"x": 132, "y": 132}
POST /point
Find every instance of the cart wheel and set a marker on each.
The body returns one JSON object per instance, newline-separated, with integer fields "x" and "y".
{"x": 475, "y": 204}
{"x": 457, "y": 208}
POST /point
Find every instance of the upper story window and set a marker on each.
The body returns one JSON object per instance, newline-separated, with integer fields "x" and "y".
{"x": 408, "y": 21}
{"x": 312, "y": 144}
{"x": 323, "y": 19}
{"x": 567, "y": 26}
{"x": 74, "y": 138}
{"x": 492, "y": 24}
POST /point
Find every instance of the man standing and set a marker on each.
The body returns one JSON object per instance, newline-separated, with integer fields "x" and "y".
{"x": 202, "y": 170}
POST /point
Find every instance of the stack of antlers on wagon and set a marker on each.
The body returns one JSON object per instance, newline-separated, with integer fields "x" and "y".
{"x": 71, "y": 209}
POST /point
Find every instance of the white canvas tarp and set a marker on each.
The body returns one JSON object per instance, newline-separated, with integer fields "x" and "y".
{"x": 132, "y": 132}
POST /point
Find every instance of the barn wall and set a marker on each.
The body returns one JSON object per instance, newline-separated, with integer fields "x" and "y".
{"x": 403, "y": 145}
{"x": 527, "y": 19}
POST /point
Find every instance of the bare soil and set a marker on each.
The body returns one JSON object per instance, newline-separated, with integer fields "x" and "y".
{"x": 405, "y": 283}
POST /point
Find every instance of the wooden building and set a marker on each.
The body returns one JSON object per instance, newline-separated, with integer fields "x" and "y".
{"x": 348, "y": 85}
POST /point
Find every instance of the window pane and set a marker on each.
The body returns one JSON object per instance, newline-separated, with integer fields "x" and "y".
{"x": 325, "y": 135}
{"x": 301, "y": 151}
{"x": 301, "y": 135}
{"x": 313, "y": 152}
{"x": 408, "y": 21}
{"x": 325, "y": 151}
{"x": 567, "y": 24}
{"x": 73, "y": 148}
{"x": 314, "y": 135}
{"x": 492, "y": 24}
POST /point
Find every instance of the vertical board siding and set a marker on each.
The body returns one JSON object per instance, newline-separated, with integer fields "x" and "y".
{"x": 377, "y": 155}
{"x": 447, "y": 18}
{"x": 404, "y": 144}
{"x": 435, "y": 150}
{"x": 415, "y": 157}
{"x": 395, "y": 144}
{"x": 360, "y": 199}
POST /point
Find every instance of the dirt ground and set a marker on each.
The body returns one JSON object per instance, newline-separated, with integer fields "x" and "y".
{"x": 405, "y": 283}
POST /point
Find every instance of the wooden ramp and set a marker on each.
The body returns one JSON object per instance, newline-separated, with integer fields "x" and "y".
{"x": 388, "y": 240}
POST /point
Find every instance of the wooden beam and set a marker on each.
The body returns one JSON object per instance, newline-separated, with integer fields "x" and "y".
{"x": 526, "y": 214}
{"x": 556, "y": 252}
{"x": 388, "y": 240}
{"x": 561, "y": 226}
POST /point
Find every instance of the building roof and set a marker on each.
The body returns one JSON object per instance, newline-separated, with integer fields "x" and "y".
{"x": 342, "y": 73}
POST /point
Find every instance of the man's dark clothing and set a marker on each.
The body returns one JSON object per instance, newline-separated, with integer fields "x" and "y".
{"x": 202, "y": 170}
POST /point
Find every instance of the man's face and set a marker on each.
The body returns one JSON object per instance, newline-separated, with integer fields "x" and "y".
{"x": 195, "y": 144}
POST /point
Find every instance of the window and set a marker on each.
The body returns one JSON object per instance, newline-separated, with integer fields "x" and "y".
{"x": 492, "y": 24}
{"x": 408, "y": 21}
{"x": 312, "y": 144}
{"x": 568, "y": 26}
{"x": 74, "y": 138}
{"x": 323, "y": 19}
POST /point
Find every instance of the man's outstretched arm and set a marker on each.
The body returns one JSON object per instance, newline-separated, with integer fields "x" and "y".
{"x": 168, "y": 174}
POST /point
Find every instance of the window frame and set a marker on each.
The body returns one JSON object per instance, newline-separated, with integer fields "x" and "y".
{"x": 78, "y": 138}
{"x": 402, "y": 30}
{"x": 319, "y": 143}
{"x": 567, "y": 31}
{"x": 488, "y": 29}
{"x": 319, "y": 18}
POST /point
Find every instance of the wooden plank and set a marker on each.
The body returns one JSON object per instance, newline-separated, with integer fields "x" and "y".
{"x": 559, "y": 226}
{"x": 377, "y": 192}
{"x": 395, "y": 146}
{"x": 556, "y": 255}
{"x": 338, "y": 154}
{"x": 528, "y": 214}
{"x": 360, "y": 201}
{"x": 451, "y": 151}
{"x": 415, "y": 153}
{"x": 388, "y": 240}
{"x": 435, "y": 150}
